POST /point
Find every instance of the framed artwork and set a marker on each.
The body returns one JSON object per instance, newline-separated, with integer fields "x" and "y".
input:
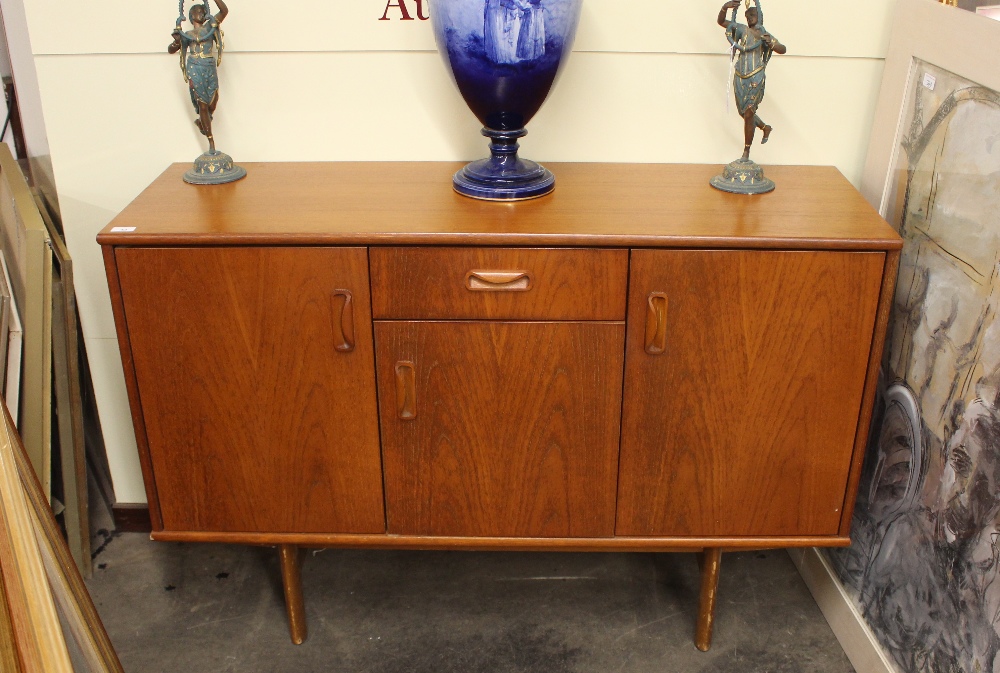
{"x": 11, "y": 342}
{"x": 68, "y": 398}
{"x": 48, "y": 622}
{"x": 28, "y": 253}
{"x": 924, "y": 567}
{"x": 927, "y": 31}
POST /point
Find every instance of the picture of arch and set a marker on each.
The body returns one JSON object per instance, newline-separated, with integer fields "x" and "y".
{"x": 927, "y": 522}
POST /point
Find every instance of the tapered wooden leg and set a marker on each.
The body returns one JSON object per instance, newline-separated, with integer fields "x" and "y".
{"x": 709, "y": 560}
{"x": 291, "y": 578}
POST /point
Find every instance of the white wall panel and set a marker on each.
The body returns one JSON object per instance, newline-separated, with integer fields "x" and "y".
{"x": 672, "y": 108}
{"x": 61, "y": 27}
{"x": 398, "y": 106}
{"x": 109, "y": 389}
{"x": 20, "y": 50}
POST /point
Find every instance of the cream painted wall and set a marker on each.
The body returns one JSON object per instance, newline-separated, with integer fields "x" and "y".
{"x": 328, "y": 81}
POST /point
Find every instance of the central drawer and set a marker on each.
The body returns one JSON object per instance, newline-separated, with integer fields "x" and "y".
{"x": 416, "y": 283}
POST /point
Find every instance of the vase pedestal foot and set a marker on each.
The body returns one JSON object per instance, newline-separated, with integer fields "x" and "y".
{"x": 743, "y": 176}
{"x": 504, "y": 176}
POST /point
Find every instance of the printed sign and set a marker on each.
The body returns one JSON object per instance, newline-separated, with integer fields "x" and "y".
{"x": 404, "y": 10}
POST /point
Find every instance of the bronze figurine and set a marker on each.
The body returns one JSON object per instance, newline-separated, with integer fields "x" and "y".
{"x": 201, "y": 53}
{"x": 752, "y": 48}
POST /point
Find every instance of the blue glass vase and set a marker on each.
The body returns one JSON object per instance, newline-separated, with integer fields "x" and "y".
{"x": 504, "y": 56}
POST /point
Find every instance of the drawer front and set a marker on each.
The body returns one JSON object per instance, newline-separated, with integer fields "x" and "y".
{"x": 498, "y": 283}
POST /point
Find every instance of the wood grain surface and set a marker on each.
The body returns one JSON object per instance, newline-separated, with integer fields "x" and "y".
{"x": 885, "y": 301}
{"x": 418, "y": 283}
{"x": 37, "y": 635}
{"x": 472, "y": 543}
{"x": 746, "y": 424}
{"x": 10, "y": 662}
{"x": 132, "y": 386}
{"x": 609, "y": 205}
{"x": 709, "y": 561}
{"x": 516, "y": 428}
{"x": 255, "y": 422}
{"x": 748, "y": 381}
{"x": 291, "y": 580}
{"x": 77, "y": 613}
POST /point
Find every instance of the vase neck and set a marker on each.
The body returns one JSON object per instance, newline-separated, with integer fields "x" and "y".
{"x": 504, "y": 145}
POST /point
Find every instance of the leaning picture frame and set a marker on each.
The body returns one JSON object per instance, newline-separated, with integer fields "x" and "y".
{"x": 28, "y": 253}
{"x": 933, "y": 172}
{"x": 11, "y": 341}
{"x": 48, "y": 621}
{"x": 946, "y": 37}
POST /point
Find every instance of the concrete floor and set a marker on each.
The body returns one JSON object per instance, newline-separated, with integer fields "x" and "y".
{"x": 194, "y": 608}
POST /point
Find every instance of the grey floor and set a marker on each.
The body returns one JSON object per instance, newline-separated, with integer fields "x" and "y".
{"x": 201, "y": 607}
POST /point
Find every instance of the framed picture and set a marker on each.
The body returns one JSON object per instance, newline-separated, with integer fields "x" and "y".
{"x": 919, "y": 549}
{"x": 11, "y": 342}
{"x": 28, "y": 253}
{"x": 48, "y": 622}
{"x": 943, "y": 37}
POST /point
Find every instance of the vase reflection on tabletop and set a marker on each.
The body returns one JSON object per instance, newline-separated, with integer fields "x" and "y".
{"x": 504, "y": 56}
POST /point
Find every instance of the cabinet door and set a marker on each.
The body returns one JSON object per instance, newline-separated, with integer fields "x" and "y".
{"x": 744, "y": 377}
{"x": 500, "y": 429}
{"x": 255, "y": 370}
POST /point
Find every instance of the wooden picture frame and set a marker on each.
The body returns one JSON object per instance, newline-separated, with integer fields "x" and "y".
{"x": 931, "y": 32}
{"x": 10, "y": 328}
{"x": 12, "y": 341}
{"x": 48, "y": 622}
{"x": 28, "y": 252}
{"x": 68, "y": 398}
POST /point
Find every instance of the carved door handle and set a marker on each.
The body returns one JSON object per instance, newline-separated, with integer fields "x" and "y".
{"x": 656, "y": 323}
{"x": 498, "y": 281}
{"x": 406, "y": 391}
{"x": 343, "y": 321}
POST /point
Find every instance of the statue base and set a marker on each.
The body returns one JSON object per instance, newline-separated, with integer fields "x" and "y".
{"x": 504, "y": 176}
{"x": 743, "y": 176}
{"x": 214, "y": 168}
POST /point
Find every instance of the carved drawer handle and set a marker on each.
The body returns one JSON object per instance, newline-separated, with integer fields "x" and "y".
{"x": 343, "y": 321}
{"x": 656, "y": 323}
{"x": 406, "y": 391}
{"x": 498, "y": 281}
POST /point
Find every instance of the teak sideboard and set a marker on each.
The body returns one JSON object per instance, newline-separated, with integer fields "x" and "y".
{"x": 353, "y": 355}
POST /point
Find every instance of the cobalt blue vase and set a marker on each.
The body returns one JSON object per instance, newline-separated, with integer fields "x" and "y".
{"x": 504, "y": 56}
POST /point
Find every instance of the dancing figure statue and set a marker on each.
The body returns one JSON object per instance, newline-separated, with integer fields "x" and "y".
{"x": 752, "y": 48}
{"x": 201, "y": 53}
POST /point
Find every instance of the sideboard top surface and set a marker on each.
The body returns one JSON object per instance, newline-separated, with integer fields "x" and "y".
{"x": 628, "y": 205}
